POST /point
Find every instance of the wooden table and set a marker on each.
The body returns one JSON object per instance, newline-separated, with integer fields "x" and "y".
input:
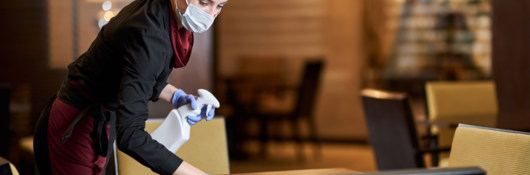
{"x": 306, "y": 172}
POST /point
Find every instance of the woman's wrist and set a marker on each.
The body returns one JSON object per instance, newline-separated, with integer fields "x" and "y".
{"x": 167, "y": 93}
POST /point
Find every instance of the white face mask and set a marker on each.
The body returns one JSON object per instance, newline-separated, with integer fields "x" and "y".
{"x": 194, "y": 19}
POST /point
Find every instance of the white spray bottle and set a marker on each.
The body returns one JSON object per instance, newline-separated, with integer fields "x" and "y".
{"x": 175, "y": 130}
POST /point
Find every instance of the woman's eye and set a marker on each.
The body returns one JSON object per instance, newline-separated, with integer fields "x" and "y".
{"x": 220, "y": 6}
{"x": 203, "y": 3}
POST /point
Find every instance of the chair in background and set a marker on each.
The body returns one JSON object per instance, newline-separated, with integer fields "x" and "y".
{"x": 5, "y": 93}
{"x": 392, "y": 131}
{"x": 302, "y": 109}
{"x": 7, "y": 168}
{"x": 206, "y": 149}
{"x": 254, "y": 77}
{"x": 497, "y": 151}
{"x": 469, "y": 102}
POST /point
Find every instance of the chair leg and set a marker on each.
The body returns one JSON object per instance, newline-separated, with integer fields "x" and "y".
{"x": 236, "y": 131}
{"x": 435, "y": 156}
{"x": 263, "y": 135}
{"x": 317, "y": 152}
{"x": 435, "y": 159}
{"x": 296, "y": 135}
{"x": 420, "y": 163}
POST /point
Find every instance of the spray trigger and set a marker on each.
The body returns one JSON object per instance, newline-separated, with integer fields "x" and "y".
{"x": 175, "y": 130}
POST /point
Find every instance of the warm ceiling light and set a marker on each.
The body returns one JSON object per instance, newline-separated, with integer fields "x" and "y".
{"x": 108, "y": 15}
{"x": 107, "y": 5}
{"x": 101, "y": 22}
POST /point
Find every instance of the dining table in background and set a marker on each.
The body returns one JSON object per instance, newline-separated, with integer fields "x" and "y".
{"x": 326, "y": 171}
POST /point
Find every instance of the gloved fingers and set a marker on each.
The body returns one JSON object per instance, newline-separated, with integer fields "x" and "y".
{"x": 195, "y": 118}
{"x": 210, "y": 114}
{"x": 203, "y": 110}
{"x": 176, "y": 98}
{"x": 192, "y": 101}
{"x": 191, "y": 122}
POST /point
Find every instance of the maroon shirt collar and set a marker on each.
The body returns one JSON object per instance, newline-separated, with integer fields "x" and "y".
{"x": 181, "y": 41}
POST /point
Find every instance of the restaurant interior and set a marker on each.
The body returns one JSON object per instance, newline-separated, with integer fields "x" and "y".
{"x": 306, "y": 86}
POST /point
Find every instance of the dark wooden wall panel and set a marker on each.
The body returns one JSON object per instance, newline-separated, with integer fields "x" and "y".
{"x": 511, "y": 62}
{"x": 24, "y": 52}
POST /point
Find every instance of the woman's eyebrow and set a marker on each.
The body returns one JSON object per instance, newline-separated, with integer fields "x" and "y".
{"x": 219, "y": 3}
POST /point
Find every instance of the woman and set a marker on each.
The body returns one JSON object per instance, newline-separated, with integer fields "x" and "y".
{"x": 126, "y": 66}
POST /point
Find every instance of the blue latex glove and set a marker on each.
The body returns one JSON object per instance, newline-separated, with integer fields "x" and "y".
{"x": 180, "y": 98}
{"x": 194, "y": 119}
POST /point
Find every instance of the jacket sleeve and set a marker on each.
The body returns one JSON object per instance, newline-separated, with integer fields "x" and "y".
{"x": 145, "y": 59}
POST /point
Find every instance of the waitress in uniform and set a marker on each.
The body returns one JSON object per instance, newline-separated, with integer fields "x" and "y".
{"x": 108, "y": 88}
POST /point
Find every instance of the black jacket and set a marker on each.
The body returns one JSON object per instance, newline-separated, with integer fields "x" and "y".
{"x": 126, "y": 66}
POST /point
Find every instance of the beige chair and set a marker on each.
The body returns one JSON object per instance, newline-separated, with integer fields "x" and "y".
{"x": 469, "y": 102}
{"x": 207, "y": 149}
{"x": 4, "y": 164}
{"x": 497, "y": 151}
{"x": 14, "y": 170}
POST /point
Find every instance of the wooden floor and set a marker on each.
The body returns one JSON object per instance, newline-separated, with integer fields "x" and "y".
{"x": 282, "y": 157}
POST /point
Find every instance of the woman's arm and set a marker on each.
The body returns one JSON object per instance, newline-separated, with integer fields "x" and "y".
{"x": 185, "y": 167}
{"x": 167, "y": 93}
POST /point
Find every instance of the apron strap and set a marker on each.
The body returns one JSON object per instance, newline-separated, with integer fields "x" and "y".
{"x": 82, "y": 115}
{"x": 111, "y": 139}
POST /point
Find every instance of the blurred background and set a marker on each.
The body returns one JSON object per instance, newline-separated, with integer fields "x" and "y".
{"x": 288, "y": 74}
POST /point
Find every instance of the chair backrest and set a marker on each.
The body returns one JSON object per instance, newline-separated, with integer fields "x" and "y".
{"x": 7, "y": 167}
{"x": 255, "y": 75}
{"x": 392, "y": 130}
{"x": 207, "y": 149}
{"x": 495, "y": 150}
{"x": 309, "y": 87}
{"x": 462, "y": 98}
{"x": 14, "y": 170}
{"x": 471, "y": 102}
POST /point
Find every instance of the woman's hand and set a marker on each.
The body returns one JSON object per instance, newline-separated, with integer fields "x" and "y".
{"x": 178, "y": 98}
{"x": 187, "y": 169}
{"x": 194, "y": 119}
